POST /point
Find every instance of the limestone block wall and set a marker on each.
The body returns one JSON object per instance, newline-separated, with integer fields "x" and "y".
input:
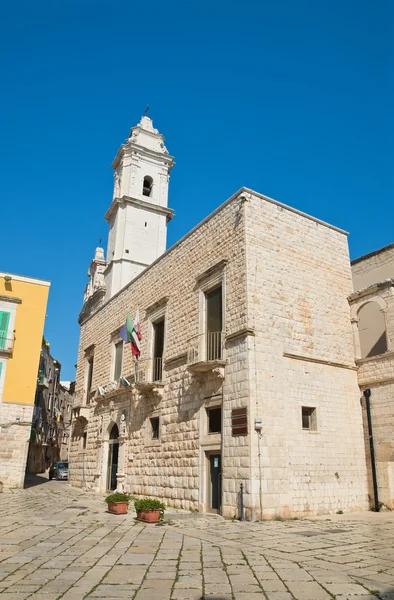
{"x": 373, "y": 267}
{"x": 298, "y": 282}
{"x": 377, "y": 374}
{"x": 171, "y": 467}
{"x": 15, "y": 422}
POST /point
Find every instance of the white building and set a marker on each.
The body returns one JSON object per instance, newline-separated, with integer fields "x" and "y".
{"x": 247, "y": 372}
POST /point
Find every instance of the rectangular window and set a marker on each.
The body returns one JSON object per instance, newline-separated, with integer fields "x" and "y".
{"x": 214, "y": 323}
{"x": 155, "y": 424}
{"x": 158, "y": 348}
{"x": 4, "y": 321}
{"x": 308, "y": 418}
{"x": 89, "y": 377}
{"x": 118, "y": 360}
{"x": 84, "y": 439}
{"x": 214, "y": 420}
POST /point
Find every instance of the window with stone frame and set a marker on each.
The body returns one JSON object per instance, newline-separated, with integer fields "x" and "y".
{"x": 118, "y": 360}
{"x": 155, "y": 428}
{"x": 84, "y": 440}
{"x": 158, "y": 349}
{"x": 89, "y": 377}
{"x": 214, "y": 323}
{"x": 308, "y": 415}
{"x": 214, "y": 419}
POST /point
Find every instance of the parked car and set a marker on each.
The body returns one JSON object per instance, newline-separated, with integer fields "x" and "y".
{"x": 59, "y": 470}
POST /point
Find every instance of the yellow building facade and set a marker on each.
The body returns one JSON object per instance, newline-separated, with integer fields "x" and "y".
{"x": 23, "y": 302}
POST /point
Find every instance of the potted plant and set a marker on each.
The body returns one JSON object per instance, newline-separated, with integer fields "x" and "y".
{"x": 118, "y": 503}
{"x": 148, "y": 510}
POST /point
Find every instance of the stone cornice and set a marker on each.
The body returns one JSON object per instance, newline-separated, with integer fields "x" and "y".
{"x": 216, "y": 267}
{"x": 320, "y": 361}
{"x": 241, "y": 333}
{"x": 89, "y": 349}
{"x": 372, "y": 382}
{"x": 162, "y": 302}
{"x": 371, "y": 289}
{"x": 126, "y": 149}
{"x": 385, "y": 355}
{"x": 160, "y": 210}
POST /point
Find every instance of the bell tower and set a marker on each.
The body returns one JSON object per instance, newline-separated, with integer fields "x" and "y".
{"x": 139, "y": 212}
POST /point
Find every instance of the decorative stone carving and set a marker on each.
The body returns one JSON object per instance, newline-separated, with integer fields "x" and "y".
{"x": 219, "y": 372}
{"x": 100, "y": 427}
{"x": 123, "y": 427}
{"x": 116, "y": 185}
{"x": 120, "y": 479}
{"x": 112, "y": 410}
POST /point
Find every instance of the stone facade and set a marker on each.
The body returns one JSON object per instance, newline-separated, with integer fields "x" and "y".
{"x": 373, "y": 267}
{"x": 47, "y": 427}
{"x": 375, "y": 272}
{"x": 15, "y": 428}
{"x": 298, "y": 277}
{"x": 284, "y": 353}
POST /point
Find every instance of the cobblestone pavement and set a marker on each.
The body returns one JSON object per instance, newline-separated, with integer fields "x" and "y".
{"x": 58, "y": 542}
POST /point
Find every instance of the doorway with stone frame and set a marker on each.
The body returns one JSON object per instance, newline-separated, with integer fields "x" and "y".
{"x": 113, "y": 458}
{"x": 214, "y": 482}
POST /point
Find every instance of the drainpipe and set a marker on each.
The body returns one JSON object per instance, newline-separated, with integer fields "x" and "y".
{"x": 367, "y": 395}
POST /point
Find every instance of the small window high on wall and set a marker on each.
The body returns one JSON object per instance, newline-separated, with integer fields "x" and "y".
{"x": 372, "y": 330}
{"x": 147, "y": 187}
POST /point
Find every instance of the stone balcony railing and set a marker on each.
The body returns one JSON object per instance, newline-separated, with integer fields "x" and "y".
{"x": 205, "y": 353}
{"x": 80, "y": 409}
{"x": 149, "y": 376}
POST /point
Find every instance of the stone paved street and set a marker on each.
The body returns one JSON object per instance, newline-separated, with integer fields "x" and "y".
{"x": 59, "y": 542}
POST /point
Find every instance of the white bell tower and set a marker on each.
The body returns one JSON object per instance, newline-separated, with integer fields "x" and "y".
{"x": 139, "y": 212}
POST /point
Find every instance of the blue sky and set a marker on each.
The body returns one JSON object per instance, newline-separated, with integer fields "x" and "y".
{"x": 292, "y": 99}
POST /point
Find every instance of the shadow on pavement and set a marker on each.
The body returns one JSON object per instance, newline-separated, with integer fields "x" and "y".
{"x": 33, "y": 480}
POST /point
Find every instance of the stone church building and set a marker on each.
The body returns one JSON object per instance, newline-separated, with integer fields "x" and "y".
{"x": 372, "y": 314}
{"x": 247, "y": 372}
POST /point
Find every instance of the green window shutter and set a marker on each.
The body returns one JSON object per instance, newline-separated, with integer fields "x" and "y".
{"x": 1, "y": 366}
{"x": 4, "y": 320}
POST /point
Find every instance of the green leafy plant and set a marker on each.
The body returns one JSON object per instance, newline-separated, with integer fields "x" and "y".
{"x": 117, "y": 498}
{"x": 339, "y": 512}
{"x": 148, "y": 504}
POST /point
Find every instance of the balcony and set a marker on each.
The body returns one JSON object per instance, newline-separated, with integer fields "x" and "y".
{"x": 149, "y": 376}
{"x": 6, "y": 344}
{"x": 42, "y": 382}
{"x": 80, "y": 409}
{"x": 205, "y": 353}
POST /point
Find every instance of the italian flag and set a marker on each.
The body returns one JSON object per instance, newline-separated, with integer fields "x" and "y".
{"x": 131, "y": 332}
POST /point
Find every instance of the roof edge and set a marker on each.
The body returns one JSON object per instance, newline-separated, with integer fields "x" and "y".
{"x": 26, "y": 279}
{"x": 295, "y": 210}
{"x": 370, "y": 254}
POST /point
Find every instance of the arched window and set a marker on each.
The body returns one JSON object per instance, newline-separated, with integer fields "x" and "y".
{"x": 114, "y": 432}
{"x": 372, "y": 330}
{"x": 147, "y": 187}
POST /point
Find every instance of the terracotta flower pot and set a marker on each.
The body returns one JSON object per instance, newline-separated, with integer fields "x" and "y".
{"x": 117, "y": 508}
{"x": 149, "y": 516}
